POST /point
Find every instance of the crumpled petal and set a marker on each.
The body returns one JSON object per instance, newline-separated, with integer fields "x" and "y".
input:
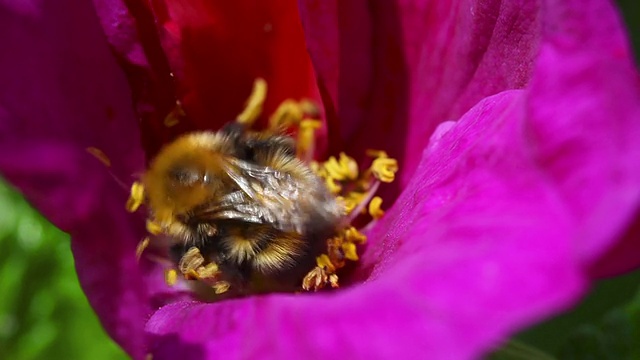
{"x": 399, "y": 68}
{"x": 63, "y": 92}
{"x": 587, "y": 79}
{"x": 132, "y": 34}
{"x": 497, "y": 228}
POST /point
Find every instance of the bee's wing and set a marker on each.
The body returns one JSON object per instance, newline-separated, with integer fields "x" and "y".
{"x": 266, "y": 196}
{"x": 233, "y": 206}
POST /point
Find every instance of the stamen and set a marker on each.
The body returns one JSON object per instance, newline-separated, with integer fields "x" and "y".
{"x": 288, "y": 114}
{"x": 142, "y": 245}
{"x": 136, "y": 197}
{"x": 153, "y": 227}
{"x": 316, "y": 279}
{"x": 173, "y": 118}
{"x": 221, "y": 287}
{"x": 253, "y": 107}
{"x": 333, "y": 187}
{"x": 306, "y": 139}
{"x": 344, "y": 169}
{"x": 190, "y": 261}
{"x": 350, "y": 251}
{"x": 348, "y": 203}
{"x": 192, "y": 266}
{"x": 323, "y": 261}
{"x": 170, "y": 277}
{"x": 383, "y": 168}
{"x": 374, "y": 208}
{"x": 100, "y": 155}
{"x": 310, "y": 108}
{"x": 364, "y": 200}
{"x": 303, "y": 116}
{"x": 333, "y": 281}
{"x": 352, "y": 234}
{"x": 210, "y": 270}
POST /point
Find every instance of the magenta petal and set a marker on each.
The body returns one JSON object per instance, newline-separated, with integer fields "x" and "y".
{"x": 62, "y": 93}
{"x": 476, "y": 247}
{"x": 497, "y": 229}
{"x": 479, "y": 245}
{"x": 104, "y": 252}
{"x": 585, "y": 132}
{"x": 583, "y": 107}
{"x": 399, "y": 68}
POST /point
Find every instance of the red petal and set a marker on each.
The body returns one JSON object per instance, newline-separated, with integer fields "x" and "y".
{"x": 217, "y": 48}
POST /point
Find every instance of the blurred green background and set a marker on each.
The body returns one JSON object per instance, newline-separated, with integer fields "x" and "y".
{"x": 43, "y": 312}
{"x": 45, "y": 315}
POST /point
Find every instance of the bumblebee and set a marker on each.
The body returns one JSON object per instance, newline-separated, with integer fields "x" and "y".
{"x": 245, "y": 201}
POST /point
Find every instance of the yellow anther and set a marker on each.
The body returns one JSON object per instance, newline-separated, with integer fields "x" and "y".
{"x": 221, "y": 287}
{"x": 171, "y": 121}
{"x": 317, "y": 169}
{"x": 344, "y": 169}
{"x": 154, "y": 228}
{"x": 352, "y": 200}
{"x": 136, "y": 197}
{"x": 332, "y": 185}
{"x": 173, "y": 118}
{"x": 306, "y": 138}
{"x": 208, "y": 271}
{"x": 288, "y": 114}
{"x": 191, "y": 274}
{"x": 350, "y": 251}
{"x": 310, "y": 108}
{"x": 384, "y": 169}
{"x": 354, "y": 236}
{"x": 253, "y": 106}
{"x": 100, "y": 155}
{"x": 350, "y": 165}
{"x": 324, "y": 262}
{"x": 170, "y": 277}
{"x": 142, "y": 245}
{"x": 191, "y": 261}
{"x": 374, "y": 208}
{"x": 316, "y": 279}
{"x": 333, "y": 280}
{"x": 377, "y": 153}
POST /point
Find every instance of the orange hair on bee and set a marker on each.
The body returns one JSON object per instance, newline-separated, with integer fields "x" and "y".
{"x": 184, "y": 174}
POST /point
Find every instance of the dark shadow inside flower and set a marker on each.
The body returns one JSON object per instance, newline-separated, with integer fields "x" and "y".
{"x": 371, "y": 109}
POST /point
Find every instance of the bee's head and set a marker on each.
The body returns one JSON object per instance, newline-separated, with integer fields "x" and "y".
{"x": 185, "y": 174}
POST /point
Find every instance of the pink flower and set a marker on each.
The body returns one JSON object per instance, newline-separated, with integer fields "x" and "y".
{"x": 516, "y": 124}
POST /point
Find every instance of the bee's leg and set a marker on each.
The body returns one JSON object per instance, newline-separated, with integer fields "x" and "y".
{"x": 238, "y": 276}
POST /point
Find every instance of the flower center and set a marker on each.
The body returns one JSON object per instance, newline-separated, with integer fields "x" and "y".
{"x": 261, "y": 215}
